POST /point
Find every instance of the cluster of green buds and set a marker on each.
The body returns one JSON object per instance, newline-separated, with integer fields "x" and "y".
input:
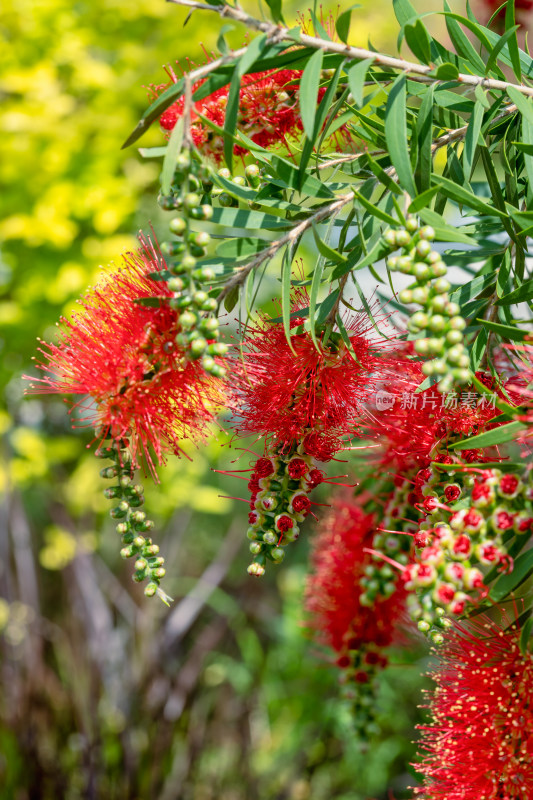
{"x": 381, "y": 580}
{"x": 279, "y": 488}
{"x": 361, "y": 667}
{"x": 132, "y": 523}
{"x": 186, "y": 277}
{"x": 251, "y": 178}
{"x": 438, "y": 324}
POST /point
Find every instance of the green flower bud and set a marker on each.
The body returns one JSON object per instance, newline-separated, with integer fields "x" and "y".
{"x": 441, "y": 286}
{"x": 421, "y": 271}
{"x": 198, "y": 347}
{"x": 461, "y": 375}
{"x": 427, "y": 233}
{"x": 405, "y": 265}
{"x": 188, "y": 262}
{"x": 255, "y": 569}
{"x": 457, "y": 323}
{"x": 403, "y": 238}
{"x": 392, "y": 263}
{"x": 420, "y": 295}
{"x": 421, "y": 347}
{"x": 423, "y": 248}
{"x": 224, "y": 173}
{"x": 255, "y": 548}
{"x": 389, "y": 237}
{"x": 437, "y": 323}
{"x": 175, "y": 284}
{"x": 438, "y": 303}
{"x": 187, "y": 320}
{"x": 201, "y": 238}
{"x": 452, "y": 309}
{"x": 177, "y": 226}
{"x": 191, "y": 200}
{"x": 454, "y": 337}
{"x": 208, "y": 363}
{"x": 217, "y": 371}
{"x": 436, "y": 346}
{"x": 277, "y": 554}
{"x": 217, "y": 349}
{"x": 127, "y": 552}
{"x": 454, "y": 353}
{"x": 406, "y": 296}
{"x": 150, "y": 589}
{"x": 227, "y": 201}
{"x": 420, "y": 320}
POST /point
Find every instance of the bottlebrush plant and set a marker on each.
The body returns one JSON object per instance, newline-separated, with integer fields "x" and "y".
{"x": 405, "y": 188}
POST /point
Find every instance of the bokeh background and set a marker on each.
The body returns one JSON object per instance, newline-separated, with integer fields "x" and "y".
{"x": 104, "y": 694}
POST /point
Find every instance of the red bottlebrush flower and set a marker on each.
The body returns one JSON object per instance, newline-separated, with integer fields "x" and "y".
{"x": 269, "y": 111}
{"x": 333, "y": 591}
{"x": 313, "y": 395}
{"x": 412, "y": 425}
{"x": 123, "y": 355}
{"x": 479, "y": 745}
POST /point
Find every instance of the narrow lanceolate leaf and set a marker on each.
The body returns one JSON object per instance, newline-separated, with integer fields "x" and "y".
{"x": 424, "y": 135}
{"x": 465, "y": 197}
{"x": 472, "y": 139}
{"x": 343, "y": 24}
{"x": 520, "y": 295}
{"x": 514, "y": 51}
{"x": 356, "y": 79}
{"x": 419, "y": 41}
{"x": 477, "y": 351}
{"x": 497, "y": 436}
{"x": 505, "y": 331}
{"x": 327, "y": 251}
{"x": 523, "y": 566}
{"x": 309, "y": 85}
{"x": 396, "y": 135}
{"x": 286, "y": 297}
{"x": 508, "y": 37}
{"x": 171, "y": 154}
{"x": 313, "y": 297}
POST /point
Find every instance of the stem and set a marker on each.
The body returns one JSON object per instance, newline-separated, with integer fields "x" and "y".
{"x": 278, "y": 33}
{"x": 240, "y": 276}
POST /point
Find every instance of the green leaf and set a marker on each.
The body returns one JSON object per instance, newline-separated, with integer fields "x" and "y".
{"x": 222, "y": 45}
{"x": 356, "y": 79}
{"x": 520, "y": 295}
{"x": 481, "y": 96}
{"x": 524, "y": 104}
{"x": 152, "y": 152}
{"x": 523, "y": 566}
{"x": 514, "y": 51}
{"x": 424, "y": 134}
{"x": 472, "y": 289}
{"x": 248, "y": 220}
{"x": 443, "y": 231}
{"x": 172, "y": 151}
{"x": 231, "y": 299}
{"x": 465, "y": 197}
{"x": 325, "y": 250}
{"x": 445, "y": 72}
{"x": 477, "y": 351}
{"x": 343, "y": 24}
{"x": 403, "y": 11}
{"x": 325, "y": 307}
{"x": 462, "y": 43}
{"x": 396, "y": 135}
{"x": 505, "y": 331}
{"x": 150, "y": 302}
{"x": 309, "y": 85}
{"x": 375, "y": 211}
{"x": 155, "y": 110}
{"x": 525, "y": 636}
{"x": 508, "y": 35}
{"x": 423, "y": 200}
{"x": 286, "y": 297}
{"x": 419, "y": 41}
{"x": 505, "y": 433}
{"x": 275, "y": 7}
{"x": 241, "y": 247}
{"x": 313, "y": 297}
{"x": 382, "y": 176}
{"x": 472, "y": 139}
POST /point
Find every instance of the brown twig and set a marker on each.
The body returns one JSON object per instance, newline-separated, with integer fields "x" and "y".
{"x": 238, "y": 277}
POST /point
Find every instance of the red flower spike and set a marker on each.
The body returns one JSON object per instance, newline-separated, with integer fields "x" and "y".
{"x": 310, "y": 397}
{"x": 333, "y": 590}
{"x": 124, "y": 356}
{"x": 479, "y": 745}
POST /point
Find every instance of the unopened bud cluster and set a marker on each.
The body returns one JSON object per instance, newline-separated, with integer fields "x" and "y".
{"x": 252, "y": 179}
{"x": 381, "y": 580}
{"x": 469, "y": 523}
{"x": 279, "y": 486}
{"x": 438, "y": 321}
{"x": 361, "y": 667}
{"x": 132, "y": 523}
{"x": 187, "y": 277}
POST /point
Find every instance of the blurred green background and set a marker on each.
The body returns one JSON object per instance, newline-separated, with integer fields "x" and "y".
{"x": 103, "y": 693}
